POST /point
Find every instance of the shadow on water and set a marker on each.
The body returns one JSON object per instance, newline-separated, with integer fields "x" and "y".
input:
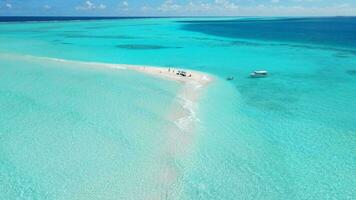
{"x": 97, "y": 27}
{"x": 351, "y": 72}
{"x": 99, "y": 36}
{"x": 342, "y": 55}
{"x": 57, "y": 41}
{"x": 144, "y": 47}
{"x": 268, "y": 95}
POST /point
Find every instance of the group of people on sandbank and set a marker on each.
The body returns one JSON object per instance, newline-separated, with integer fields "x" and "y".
{"x": 172, "y": 73}
{"x": 180, "y": 73}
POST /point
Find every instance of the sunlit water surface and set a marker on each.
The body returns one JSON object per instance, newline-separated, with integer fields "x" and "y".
{"x": 69, "y": 132}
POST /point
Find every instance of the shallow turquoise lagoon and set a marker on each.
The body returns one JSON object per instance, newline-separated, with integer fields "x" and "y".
{"x": 70, "y": 132}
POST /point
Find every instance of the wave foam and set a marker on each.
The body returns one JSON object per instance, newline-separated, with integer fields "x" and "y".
{"x": 186, "y": 121}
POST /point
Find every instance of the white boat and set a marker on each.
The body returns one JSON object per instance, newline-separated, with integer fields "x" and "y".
{"x": 259, "y": 74}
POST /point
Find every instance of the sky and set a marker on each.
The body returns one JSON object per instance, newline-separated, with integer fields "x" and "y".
{"x": 177, "y": 7}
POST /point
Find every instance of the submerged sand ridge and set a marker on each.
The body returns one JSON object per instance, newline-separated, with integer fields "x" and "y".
{"x": 179, "y": 136}
{"x": 189, "y": 94}
{"x": 184, "y": 111}
{"x": 193, "y": 83}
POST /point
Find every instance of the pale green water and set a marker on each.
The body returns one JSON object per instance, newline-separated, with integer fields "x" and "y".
{"x": 289, "y": 136}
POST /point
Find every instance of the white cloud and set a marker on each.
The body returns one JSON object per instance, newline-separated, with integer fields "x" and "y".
{"x": 226, "y": 4}
{"x": 8, "y": 5}
{"x": 88, "y": 5}
{"x": 145, "y": 8}
{"x": 193, "y": 6}
{"x": 102, "y": 6}
{"x": 263, "y": 10}
{"x": 148, "y": 9}
{"x": 169, "y": 5}
{"x": 47, "y": 7}
{"x": 307, "y": 0}
{"x": 199, "y": 6}
{"x": 231, "y": 8}
{"x": 125, "y": 3}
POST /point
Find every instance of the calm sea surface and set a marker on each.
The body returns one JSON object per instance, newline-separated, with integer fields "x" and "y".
{"x": 72, "y": 132}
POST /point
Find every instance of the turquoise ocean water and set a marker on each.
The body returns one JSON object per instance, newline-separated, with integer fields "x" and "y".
{"x": 72, "y": 132}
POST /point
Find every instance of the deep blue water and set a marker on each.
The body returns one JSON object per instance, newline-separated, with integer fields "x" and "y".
{"x": 336, "y": 31}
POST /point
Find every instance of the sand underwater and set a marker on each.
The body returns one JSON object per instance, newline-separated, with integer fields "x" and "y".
{"x": 77, "y": 123}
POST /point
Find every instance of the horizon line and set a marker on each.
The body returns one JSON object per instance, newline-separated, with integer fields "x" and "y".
{"x": 174, "y": 16}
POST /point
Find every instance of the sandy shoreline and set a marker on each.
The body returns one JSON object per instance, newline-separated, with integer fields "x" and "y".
{"x": 192, "y": 84}
{"x": 183, "y": 113}
{"x": 197, "y": 78}
{"x": 179, "y": 136}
